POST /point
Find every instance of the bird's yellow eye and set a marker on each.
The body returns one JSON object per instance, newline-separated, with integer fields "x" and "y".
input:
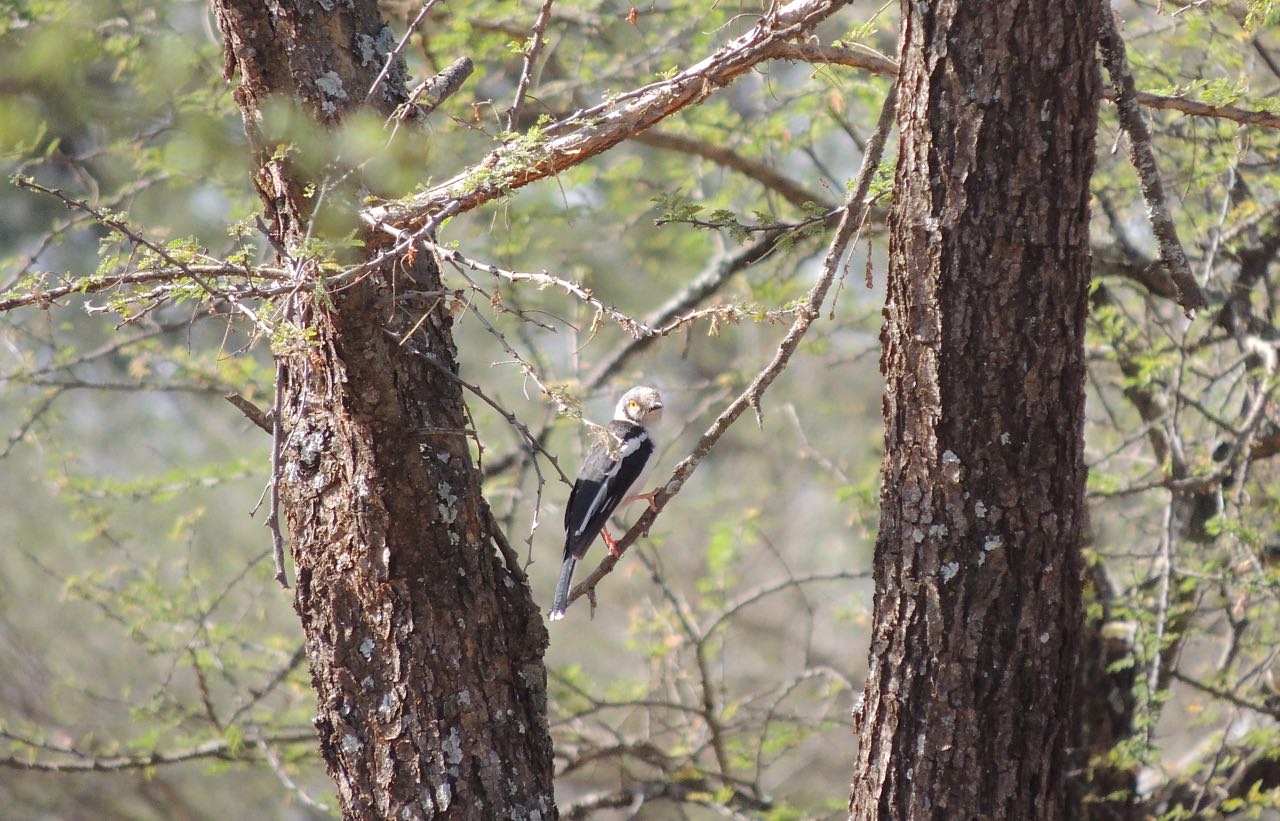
{"x": 633, "y": 404}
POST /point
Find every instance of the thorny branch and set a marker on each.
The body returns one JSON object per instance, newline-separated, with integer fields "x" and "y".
{"x": 590, "y": 131}
{"x": 75, "y": 760}
{"x": 770, "y": 39}
{"x": 854, "y": 211}
{"x": 140, "y": 241}
{"x": 542, "y": 279}
{"x": 98, "y": 283}
{"x": 599, "y": 128}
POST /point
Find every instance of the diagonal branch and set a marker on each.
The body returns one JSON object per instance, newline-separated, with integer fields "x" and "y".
{"x": 855, "y": 210}
{"x": 594, "y": 130}
{"x": 1190, "y": 297}
{"x": 700, "y": 288}
{"x": 789, "y": 189}
{"x": 395, "y": 53}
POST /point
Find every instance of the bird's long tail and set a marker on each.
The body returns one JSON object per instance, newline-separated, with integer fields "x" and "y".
{"x": 561, "y": 601}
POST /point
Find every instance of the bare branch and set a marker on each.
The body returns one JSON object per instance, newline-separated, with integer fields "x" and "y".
{"x": 1190, "y": 297}
{"x": 755, "y": 594}
{"x": 691, "y": 791}
{"x": 530, "y": 57}
{"x": 435, "y": 90}
{"x": 543, "y": 279}
{"x": 812, "y": 52}
{"x": 1196, "y": 108}
{"x": 789, "y": 189}
{"x": 251, "y": 411}
{"x": 277, "y": 766}
{"x": 80, "y": 761}
{"x": 277, "y": 444}
{"x": 399, "y": 49}
{"x": 95, "y": 284}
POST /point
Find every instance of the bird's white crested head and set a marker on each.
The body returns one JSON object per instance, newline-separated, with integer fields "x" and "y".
{"x": 641, "y": 406}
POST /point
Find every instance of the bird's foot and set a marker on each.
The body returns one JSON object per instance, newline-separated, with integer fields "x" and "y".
{"x": 648, "y": 497}
{"x": 613, "y": 545}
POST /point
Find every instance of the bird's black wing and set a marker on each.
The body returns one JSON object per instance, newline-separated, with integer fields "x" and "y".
{"x": 603, "y": 482}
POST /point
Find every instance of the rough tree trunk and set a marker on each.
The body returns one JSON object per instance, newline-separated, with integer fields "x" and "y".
{"x": 968, "y": 704}
{"x": 425, "y": 644}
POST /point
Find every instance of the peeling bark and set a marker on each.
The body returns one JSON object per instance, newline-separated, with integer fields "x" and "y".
{"x": 967, "y": 711}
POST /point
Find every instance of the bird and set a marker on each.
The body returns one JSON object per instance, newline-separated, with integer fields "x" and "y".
{"x": 612, "y": 467}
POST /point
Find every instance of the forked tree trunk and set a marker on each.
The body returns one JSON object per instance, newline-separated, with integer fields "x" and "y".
{"x": 967, "y": 709}
{"x": 424, "y": 642}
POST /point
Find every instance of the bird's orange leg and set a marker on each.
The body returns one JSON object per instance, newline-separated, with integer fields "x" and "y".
{"x": 648, "y": 497}
{"x": 613, "y": 545}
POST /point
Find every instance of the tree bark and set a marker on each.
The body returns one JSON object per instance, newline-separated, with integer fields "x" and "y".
{"x": 424, "y": 641}
{"x": 967, "y": 711}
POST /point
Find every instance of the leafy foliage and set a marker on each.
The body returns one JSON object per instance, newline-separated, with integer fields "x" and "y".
{"x": 138, "y": 612}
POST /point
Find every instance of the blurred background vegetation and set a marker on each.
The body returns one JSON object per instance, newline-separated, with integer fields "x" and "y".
{"x": 153, "y": 669}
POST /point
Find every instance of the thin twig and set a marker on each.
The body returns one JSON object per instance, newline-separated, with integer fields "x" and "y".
{"x": 710, "y": 709}
{"x": 530, "y": 57}
{"x": 542, "y": 279}
{"x": 256, "y": 696}
{"x": 1164, "y": 583}
{"x": 512, "y": 419}
{"x": 277, "y": 766}
{"x": 277, "y": 441}
{"x": 395, "y": 52}
{"x": 81, "y": 761}
{"x": 62, "y": 226}
{"x": 790, "y": 190}
{"x": 41, "y": 408}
